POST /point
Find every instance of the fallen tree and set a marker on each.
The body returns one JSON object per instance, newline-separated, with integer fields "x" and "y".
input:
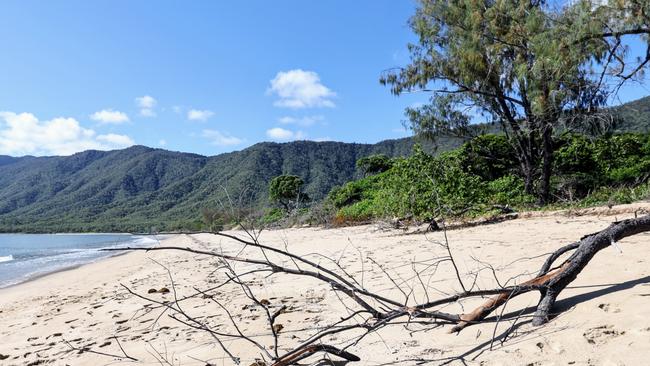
{"x": 371, "y": 311}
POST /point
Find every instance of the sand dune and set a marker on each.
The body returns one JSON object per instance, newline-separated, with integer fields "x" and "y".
{"x": 604, "y": 316}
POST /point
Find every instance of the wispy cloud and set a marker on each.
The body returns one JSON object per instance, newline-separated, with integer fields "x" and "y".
{"x": 109, "y": 116}
{"x": 305, "y": 121}
{"x": 24, "y": 134}
{"x": 219, "y": 138}
{"x": 300, "y": 89}
{"x": 199, "y": 115}
{"x": 146, "y": 104}
{"x": 281, "y": 134}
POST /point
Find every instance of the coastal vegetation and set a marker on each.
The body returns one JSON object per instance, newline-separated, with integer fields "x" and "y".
{"x": 483, "y": 176}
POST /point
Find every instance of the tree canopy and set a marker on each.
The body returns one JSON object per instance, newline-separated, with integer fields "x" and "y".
{"x": 286, "y": 190}
{"x": 374, "y": 164}
{"x": 528, "y": 66}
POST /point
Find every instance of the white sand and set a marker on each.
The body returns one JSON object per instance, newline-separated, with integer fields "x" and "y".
{"x": 605, "y": 318}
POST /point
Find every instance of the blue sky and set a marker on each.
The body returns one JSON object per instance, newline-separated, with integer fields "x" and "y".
{"x": 89, "y": 61}
{"x": 200, "y": 76}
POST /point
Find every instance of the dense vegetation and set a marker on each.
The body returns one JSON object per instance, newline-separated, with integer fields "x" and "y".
{"x": 484, "y": 174}
{"x": 141, "y": 189}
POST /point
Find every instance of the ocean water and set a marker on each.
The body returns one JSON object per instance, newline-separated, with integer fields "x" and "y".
{"x": 25, "y": 256}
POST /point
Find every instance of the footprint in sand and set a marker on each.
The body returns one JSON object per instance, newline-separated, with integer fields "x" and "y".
{"x": 608, "y": 308}
{"x": 602, "y": 334}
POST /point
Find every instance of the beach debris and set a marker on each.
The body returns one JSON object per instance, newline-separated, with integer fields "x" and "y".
{"x": 164, "y": 290}
{"x": 375, "y": 310}
{"x": 152, "y": 291}
{"x": 3, "y": 357}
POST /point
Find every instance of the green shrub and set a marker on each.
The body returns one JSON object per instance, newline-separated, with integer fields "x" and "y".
{"x": 422, "y": 185}
{"x": 272, "y": 216}
{"x": 359, "y": 211}
{"x": 509, "y": 190}
{"x": 374, "y": 164}
{"x": 353, "y": 192}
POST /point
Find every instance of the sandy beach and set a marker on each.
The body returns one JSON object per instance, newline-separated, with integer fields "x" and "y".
{"x": 604, "y": 315}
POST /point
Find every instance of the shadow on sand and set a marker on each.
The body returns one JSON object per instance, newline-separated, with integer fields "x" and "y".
{"x": 515, "y": 335}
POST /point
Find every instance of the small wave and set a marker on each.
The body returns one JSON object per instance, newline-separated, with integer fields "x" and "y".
{"x": 7, "y": 258}
{"x": 145, "y": 241}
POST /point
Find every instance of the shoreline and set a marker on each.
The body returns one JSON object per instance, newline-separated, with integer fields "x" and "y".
{"x": 64, "y": 269}
{"x": 109, "y": 255}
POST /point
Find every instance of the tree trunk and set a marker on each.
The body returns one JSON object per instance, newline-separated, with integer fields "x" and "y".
{"x": 528, "y": 171}
{"x": 529, "y": 180}
{"x": 551, "y": 282}
{"x": 547, "y": 165}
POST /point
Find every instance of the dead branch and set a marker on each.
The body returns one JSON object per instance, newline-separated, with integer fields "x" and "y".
{"x": 375, "y": 311}
{"x": 550, "y": 284}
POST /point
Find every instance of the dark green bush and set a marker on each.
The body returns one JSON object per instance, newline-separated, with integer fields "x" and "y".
{"x": 489, "y": 156}
{"x": 374, "y": 164}
{"x": 485, "y": 172}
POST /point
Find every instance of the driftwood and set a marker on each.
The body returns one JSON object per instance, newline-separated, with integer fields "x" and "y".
{"x": 551, "y": 282}
{"x": 374, "y": 311}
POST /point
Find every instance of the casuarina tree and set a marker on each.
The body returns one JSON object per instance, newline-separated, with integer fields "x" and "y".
{"x": 532, "y": 67}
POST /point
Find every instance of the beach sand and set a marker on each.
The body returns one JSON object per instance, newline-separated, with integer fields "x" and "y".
{"x": 604, "y": 315}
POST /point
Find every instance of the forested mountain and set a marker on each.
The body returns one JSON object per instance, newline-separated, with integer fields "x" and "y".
{"x": 634, "y": 116}
{"x": 137, "y": 188}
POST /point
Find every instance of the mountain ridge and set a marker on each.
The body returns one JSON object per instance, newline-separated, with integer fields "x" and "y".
{"x": 140, "y": 188}
{"x": 143, "y": 189}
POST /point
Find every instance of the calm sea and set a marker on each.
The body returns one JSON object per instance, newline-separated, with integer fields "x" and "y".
{"x": 24, "y": 256}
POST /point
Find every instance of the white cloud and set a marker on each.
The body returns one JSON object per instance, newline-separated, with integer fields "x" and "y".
{"x": 146, "y": 104}
{"x": 146, "y": 101}
{"x": 109, "y": 116}
{"x": 197, "y": 115}
{"x": 305, "y": 121}
{"x": 162, "y": 142}
{"x": 322, "y": 139}
{"x": 221, "y": 139}
{"x": 147, "y": 113}
{"x": 24, "y": 134}
{"x": 177, "y": 109}
{"x": 280, "y": 134}
{"x": 300, "y": 89}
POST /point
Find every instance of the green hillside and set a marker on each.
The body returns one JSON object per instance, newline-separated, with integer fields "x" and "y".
{"x": 634, "y": 116}
{"x": 138, "y": 188}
